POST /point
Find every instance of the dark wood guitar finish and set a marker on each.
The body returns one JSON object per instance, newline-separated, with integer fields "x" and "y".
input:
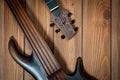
{"x": 61, "y": 19}
{"x": 42, "y": 63}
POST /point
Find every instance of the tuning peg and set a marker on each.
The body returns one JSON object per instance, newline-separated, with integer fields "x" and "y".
{"x": 69, "y": 14}
{"x": 76, "y": 28}
{"x": 73, "y": 21}
{"x": 63, "y": 36}
{"x": 52, "y": 24}
{"x": 57, "y": 30}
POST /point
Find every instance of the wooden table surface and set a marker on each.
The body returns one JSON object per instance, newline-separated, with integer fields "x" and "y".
{"x": 97, "y": 41}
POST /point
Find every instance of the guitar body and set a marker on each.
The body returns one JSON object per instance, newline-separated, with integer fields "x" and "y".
{"x": 34, "y": 67}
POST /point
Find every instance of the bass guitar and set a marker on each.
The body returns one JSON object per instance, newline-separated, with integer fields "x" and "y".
{"x": 41, "y": 64}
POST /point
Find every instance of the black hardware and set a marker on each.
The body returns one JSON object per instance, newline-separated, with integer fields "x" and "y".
{"x": 57, "y": 30}
{"x": 63, "y": 37}
{"x": 52, "y": 24}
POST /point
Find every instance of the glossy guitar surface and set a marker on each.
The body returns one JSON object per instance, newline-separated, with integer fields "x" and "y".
{"x": 34, "y": 67}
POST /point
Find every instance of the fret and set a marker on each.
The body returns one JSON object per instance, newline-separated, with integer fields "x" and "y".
{"x": 52, "y": 5}
{"x": 57, "y": 12}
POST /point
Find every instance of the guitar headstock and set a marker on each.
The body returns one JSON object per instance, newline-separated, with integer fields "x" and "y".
{"x": 62, "y": 18}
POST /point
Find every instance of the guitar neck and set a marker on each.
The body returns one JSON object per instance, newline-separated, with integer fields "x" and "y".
{"x": 39, "y": 46}
{"x": 52, "y": 5}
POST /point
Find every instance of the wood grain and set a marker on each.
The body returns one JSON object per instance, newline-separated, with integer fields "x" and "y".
{"x": 12, "y": 70}
{"x": 96, "y": 38}
{"x": 2, "y": 40}
{"x": 65, "y": 50}
{"x": 39, "y": 16}
{"x": 115, "y": 62}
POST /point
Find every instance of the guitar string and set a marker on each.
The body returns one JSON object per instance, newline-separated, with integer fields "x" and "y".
{"x": 24, "y": 31}
{"x": 60, "y": 78}
{"x": 38, "y": 41}
{"x": 63, "y": 74}
{"x": 45, "y": 61}
{"x": 41, "y": 60}
{"x": 62, "y": 71}
{"x": 46, "y": 49}
{"x": 59, "y": 75}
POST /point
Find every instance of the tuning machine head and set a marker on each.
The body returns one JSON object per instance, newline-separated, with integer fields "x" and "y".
{"x": 69, "y": 14}
{"x": 64, "y": 24}
{"x": 52, "y": 24}
{"x": 57, "y": 30}
{"x": 73, "y": 21}
{"x": 76, "y": 29}
{"x": 62, "y": 36}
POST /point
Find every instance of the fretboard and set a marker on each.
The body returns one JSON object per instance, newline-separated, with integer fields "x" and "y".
{"x": 43, "y": 52}
{"x": 52, "y": 5}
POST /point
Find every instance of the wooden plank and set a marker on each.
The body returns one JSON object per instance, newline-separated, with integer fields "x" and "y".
{"x": 92, "y": 42}
{"x": 67, "y": 51}
{"x": 115, "y": 62}
{"x": 12, "y": 70}
{"x": 2, "y": 40}
{"x": 96, "y": 38}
